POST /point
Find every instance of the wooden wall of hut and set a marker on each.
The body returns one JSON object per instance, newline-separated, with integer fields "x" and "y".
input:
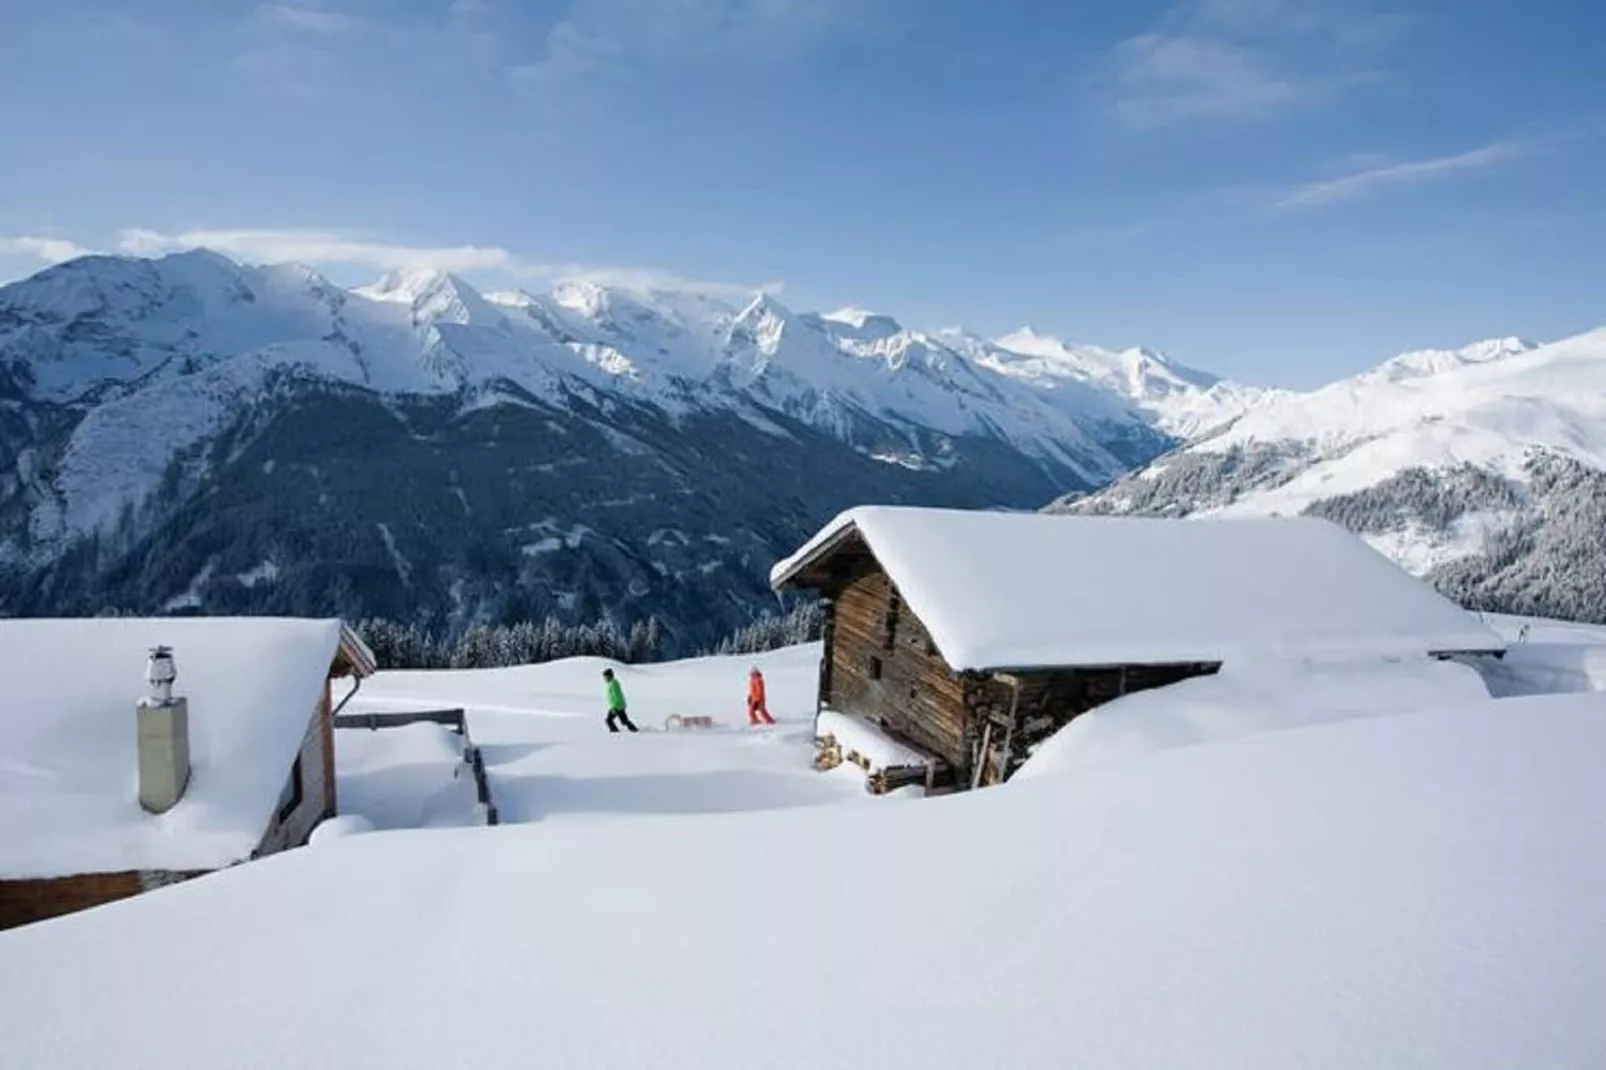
{"x": 1051, "y": 700}
{"x": 885, "y": 667}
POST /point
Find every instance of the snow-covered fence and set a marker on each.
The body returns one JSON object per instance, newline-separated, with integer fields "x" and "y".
{"x": 453, "y": 719}
{"x": 457, "y": 721}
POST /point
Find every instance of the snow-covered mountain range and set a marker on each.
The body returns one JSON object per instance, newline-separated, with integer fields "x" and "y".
{"x": 189, "y": 433}
{"x": 1481, "y": 468}
{"x": 1181, "y": 401}
{"x": 192, "y": 432}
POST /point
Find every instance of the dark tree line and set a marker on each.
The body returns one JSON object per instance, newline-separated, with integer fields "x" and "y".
{"x": 1187, "y": 482}
{"x": 799, "y": 625}
{"x": 1550, "y": 564}
{"x": 398, "y": 645}
{"x": 1435, "y": 499}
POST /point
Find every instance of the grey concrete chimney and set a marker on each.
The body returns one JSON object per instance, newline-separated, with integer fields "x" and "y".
{"x": 164, "y": 737}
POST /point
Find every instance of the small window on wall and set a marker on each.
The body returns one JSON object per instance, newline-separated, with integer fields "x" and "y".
{"x": 891, "y": 621}
{"x": 875, "y": 668}
{"x": 293, "y": 792}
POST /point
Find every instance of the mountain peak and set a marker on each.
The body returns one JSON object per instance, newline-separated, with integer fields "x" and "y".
{"x": 764, "y": 306}
{"x": 1495, "y": 348}
{"x": 1420, "y": 363}
{"x": 406, "y": 285}
{"x": 860, "y": 324}
{"x": 434, "y": 296}
{"x": 854, "y": 316}
{"x": 200, "y": 255}
{"x": 1030, "y": 340}
{"x": 586, "y": 298}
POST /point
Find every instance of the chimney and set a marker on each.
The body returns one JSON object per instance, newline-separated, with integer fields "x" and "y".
{"x": 164, "y": 736}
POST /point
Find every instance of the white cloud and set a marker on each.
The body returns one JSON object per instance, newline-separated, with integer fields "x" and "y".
{"x": 616, "y": 37}
{"x": 319, "y": 247}
{"x": 326, "y": 247}
{"x": 646, "y": 279}
{"x": 1360, "y": 183}
{"x": 47, "y": 250}
{"x": 299, "y": 18}
{"x": 1243, "y": 59}
{"x": 1164, "y": 79}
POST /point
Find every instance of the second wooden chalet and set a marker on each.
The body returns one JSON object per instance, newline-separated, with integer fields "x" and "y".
{"x": 969, "y": 637}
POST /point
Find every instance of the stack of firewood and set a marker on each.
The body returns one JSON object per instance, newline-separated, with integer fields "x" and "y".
{"x": 827, "y": 753}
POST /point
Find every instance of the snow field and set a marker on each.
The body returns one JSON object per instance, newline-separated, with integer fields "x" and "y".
{"x": 1361, "y": 863}
{"x": 549, "y": 756}
{"x": 1414, "y": 891}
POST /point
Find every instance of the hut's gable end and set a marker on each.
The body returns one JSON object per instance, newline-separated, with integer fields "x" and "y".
{"x": 885, "y": 667}
{"x": 308, "y": 795}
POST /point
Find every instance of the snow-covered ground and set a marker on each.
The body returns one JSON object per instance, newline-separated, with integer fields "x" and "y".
{"x": 1547, "y": 657}
{"x": 549, "y": 756}
{"x": 1415, "y": 884}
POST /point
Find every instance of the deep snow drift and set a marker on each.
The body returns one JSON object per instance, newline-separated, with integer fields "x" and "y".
{"x": 1246, "y": 698}
{"x": 1420, "y": 890}
{"x": 1414, "y": 885}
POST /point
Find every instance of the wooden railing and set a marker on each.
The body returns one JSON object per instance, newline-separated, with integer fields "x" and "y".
{"x": 457, "y": 721}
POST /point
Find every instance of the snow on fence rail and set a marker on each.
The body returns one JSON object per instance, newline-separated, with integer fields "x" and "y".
{"x": 457, "y": 721}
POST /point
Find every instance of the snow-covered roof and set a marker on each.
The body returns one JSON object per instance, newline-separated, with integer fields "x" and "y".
{"x": 1030, "y": 590}
{"x": 68, "y": 761}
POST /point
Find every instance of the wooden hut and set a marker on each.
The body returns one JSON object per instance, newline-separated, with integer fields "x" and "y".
{"x": 969, "y": 637}
{"x": 250, "y": 767}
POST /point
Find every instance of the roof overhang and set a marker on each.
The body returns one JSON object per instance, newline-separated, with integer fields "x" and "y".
{"x": 796, "y": 570}
{"x": 352, "y": 657}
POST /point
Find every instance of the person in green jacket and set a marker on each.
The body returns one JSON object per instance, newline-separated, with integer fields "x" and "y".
{"x": 616, "y": 703}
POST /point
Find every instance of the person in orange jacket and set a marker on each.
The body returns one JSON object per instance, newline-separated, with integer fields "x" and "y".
{"x": 756, "y": 707}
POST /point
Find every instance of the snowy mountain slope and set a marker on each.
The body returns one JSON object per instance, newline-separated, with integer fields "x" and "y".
{"x": 1433, "y": 361}
{"x": 156, "y": 416}
{"x": 1440, "y": 458}
{"x": 1180, "y": 400}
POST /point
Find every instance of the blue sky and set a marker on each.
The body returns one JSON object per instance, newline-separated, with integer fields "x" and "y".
{"x": 1284, "y": 191}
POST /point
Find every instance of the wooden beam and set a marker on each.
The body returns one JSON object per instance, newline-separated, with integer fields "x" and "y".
{"x": 981, "y": 756}
{"x": 1009, "y": 733}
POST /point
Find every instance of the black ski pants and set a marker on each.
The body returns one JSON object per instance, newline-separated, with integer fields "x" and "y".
{"x": 623, "y": 718}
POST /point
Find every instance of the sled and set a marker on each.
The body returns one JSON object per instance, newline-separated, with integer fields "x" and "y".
{"x": 676, "y": 720}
